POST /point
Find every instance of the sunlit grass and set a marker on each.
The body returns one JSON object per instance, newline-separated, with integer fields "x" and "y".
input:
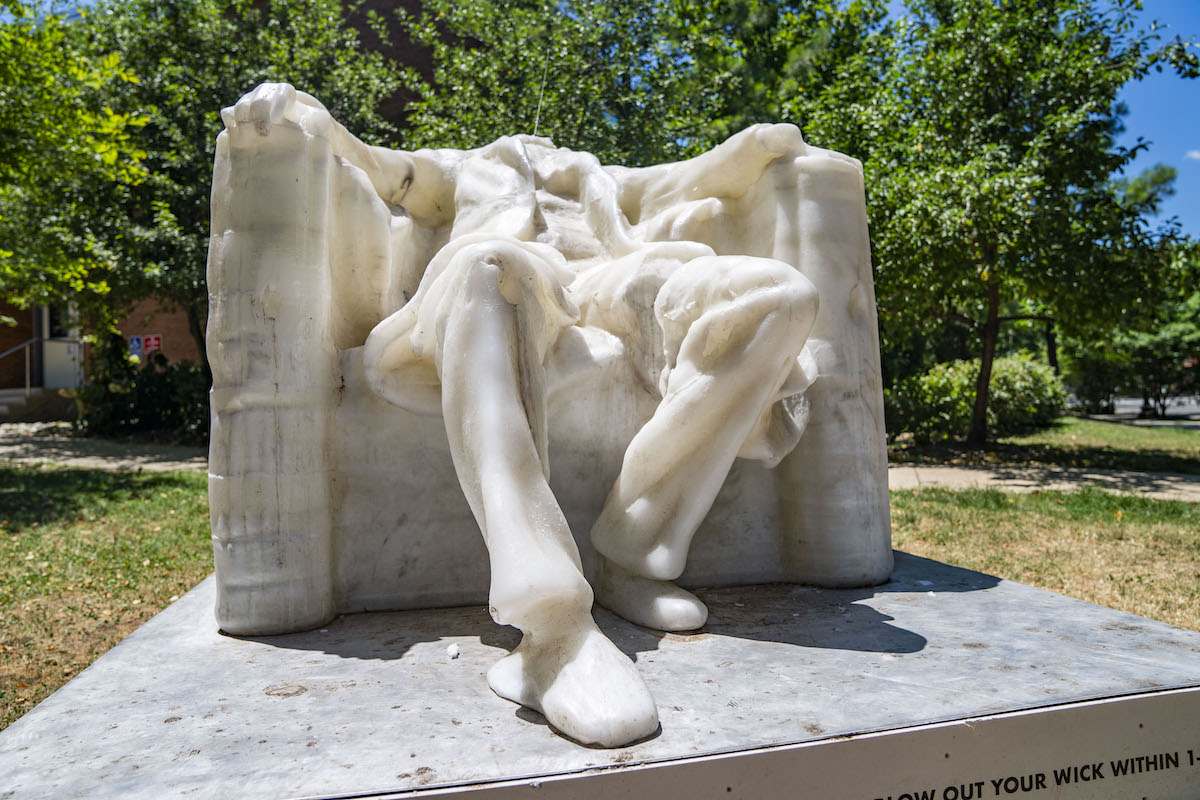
{"x": 1075, "y": 442}
{"x": 86, "y": 557}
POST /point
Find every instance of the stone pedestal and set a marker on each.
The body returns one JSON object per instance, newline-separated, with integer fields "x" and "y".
{"x": 942, "y": 683}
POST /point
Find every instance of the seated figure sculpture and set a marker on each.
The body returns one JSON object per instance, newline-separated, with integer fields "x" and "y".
{"x": 504, "y": 254}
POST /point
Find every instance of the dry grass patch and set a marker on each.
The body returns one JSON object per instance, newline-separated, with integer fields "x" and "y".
{"x": 85, "y": 558}
{"x": 1121, "y": 551}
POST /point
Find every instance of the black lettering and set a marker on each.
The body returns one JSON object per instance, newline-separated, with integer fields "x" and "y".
{"x": 1171, "y": 760}
{"x": 930, "y": 795}
{"x": 1041, "y": 780}
{"x": 1120, "y": 767}
{"x": 1098, "y": 771}
{"x": 1141, "y": 763}
{"x": 996, "y": 784}
{"x": 1011, "y": 785}
{"x": 1062, "y": 776}
{"x": 965, "y": 791}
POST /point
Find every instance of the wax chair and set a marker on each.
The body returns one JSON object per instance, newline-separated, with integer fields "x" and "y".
{"x": 326, "y": 499}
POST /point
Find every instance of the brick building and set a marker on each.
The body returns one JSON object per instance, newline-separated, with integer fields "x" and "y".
{"x": 53, "y": 355}
{"x": 41, "y": 350}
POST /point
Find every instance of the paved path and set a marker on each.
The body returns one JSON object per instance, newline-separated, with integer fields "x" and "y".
{"x": 53, "y": 442}
{"x": 1159, "y": 485}
{"x": 1186, "y": 421}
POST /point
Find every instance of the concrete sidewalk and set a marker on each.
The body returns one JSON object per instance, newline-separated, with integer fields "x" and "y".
{"x": 54, "y": 442}
{"x": 1158, "y": 485}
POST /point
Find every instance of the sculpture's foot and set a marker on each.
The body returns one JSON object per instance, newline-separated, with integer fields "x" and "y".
{"x": 655, "y": 604}
{"x": 585, "y": 687}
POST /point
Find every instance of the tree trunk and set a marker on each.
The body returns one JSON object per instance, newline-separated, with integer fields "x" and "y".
{"x": 991, "y": 332}
{"x": 196, "y": 328}
{"x": 1052, "y": 347}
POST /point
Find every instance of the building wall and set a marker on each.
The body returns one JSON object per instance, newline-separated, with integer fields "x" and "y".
{"x": 12, "y": 368}
{"x": 149, "y": 317}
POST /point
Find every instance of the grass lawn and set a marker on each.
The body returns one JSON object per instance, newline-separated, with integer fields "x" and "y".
{"x": 1074, "y": 442}
{"x": 85, "y": 558}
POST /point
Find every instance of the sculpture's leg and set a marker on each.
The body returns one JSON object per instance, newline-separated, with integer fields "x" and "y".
{"x": 733, "y": 328}
{"x": 488, "y": 366}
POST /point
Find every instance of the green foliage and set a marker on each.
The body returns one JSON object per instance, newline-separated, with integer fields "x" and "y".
{"x": 1097, "y": 371}
{"x": 124, "y": 396}
{"x": 1155, "y": 355}
{"x": 55, "y": 122}
{"x": 1164, "y": 356}
{"x": 592, "y": 75}
{"x": 937, "y": 406}
{"x": 633, "y": 83}
{"x": 813, "y": 64}
{"x": 191, "y": 58}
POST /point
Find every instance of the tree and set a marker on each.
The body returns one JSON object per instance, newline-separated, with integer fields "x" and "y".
{"x": 1153, "y": 352}
{"x": 990, "y": 170}
{"x": 48, "y": 135}
{"x": 813, "y": 63}
{"x": 595, "y": 75}
{"x": 192, "y": 58}
{"x": 633, "y": 83}
{"x": 1165, "y": 354}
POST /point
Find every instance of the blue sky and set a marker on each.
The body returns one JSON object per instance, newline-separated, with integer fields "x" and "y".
{"x": 1165, "y": 110}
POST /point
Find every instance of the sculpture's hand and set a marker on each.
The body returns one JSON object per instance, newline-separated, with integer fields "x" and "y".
{"x": 777, "y": 140}
{"x": 269, "y": 103}
{"x": 728, "y": 170}
{"x": 391, "y": 172}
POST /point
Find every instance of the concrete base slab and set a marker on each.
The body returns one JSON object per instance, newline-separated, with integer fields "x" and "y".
{"x": 931, "y": 664}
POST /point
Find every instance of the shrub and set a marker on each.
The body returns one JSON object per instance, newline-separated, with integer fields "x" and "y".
{"x": 124, "y": 396}
{"x": 1097, "y": 371}
{"x": 1025, "y": 395}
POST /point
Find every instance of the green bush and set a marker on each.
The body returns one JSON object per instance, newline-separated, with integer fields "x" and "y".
{"x": 124, "y": 396}
{"x": 1025, "y": 395}
{"x": 1097, "y": 371}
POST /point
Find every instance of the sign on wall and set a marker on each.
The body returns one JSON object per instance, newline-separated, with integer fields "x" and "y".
{"x": 141, "y": 345}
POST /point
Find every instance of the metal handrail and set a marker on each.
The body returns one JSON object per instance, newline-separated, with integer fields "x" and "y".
{"x": 12, "y": 350}
{"x": 25, "y": 346}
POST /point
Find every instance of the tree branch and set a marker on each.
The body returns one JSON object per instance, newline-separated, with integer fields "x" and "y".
{"x": 1033, "y": 317}
{"x": 963, "y": 319}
